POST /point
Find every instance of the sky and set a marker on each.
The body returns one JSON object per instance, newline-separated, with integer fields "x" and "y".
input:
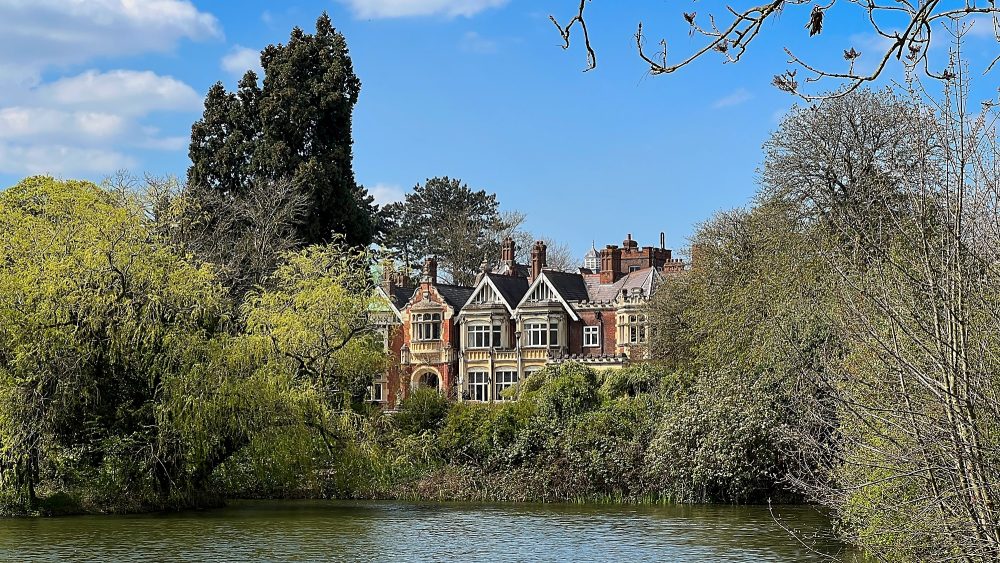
{"x": 474, "y": 89}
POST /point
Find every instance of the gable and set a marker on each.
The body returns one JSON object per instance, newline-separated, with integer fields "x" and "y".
{"x": 544, "y": 291}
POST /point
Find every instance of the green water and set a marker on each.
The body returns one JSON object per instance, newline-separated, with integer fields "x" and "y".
{"x": 378, "y": 531}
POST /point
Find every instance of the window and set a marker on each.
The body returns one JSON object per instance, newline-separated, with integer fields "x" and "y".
{"x": 542, "y": 334}
{"x": 634, "y": 329}
{"x": 634, "y": 269}
{"x": 427, "y": 326}
{"x": 377, "y": 392}
{"x": 483, "y": 336}
{"x": 479, "y": 386}
{"x": 504, "y": 380}
{"x": 591, "y": 336}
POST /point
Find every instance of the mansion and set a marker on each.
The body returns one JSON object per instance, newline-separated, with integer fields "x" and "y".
{"x": 472, "y": 343}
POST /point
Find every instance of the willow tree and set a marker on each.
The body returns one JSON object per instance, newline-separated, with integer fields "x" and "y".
{"x": 119, "y": 381}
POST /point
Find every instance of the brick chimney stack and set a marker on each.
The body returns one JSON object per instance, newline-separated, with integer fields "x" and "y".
{"x": 611, "y": 264}
{"x": 537, "y": 260}
{"x": 430, "y": 270}
{"x": 507, "y": 256}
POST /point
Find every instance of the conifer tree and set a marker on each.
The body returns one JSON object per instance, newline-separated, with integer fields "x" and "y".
{"x": 295, "y": 128}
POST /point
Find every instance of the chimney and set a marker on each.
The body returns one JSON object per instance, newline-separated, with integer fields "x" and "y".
{"x": 663, "y": 240}
{"x": 611, "y": 264}
{"x": 388, "y": 282}
{"x": 507, "y": 249}
{"x": 537, "y": 260}
{"x": 430, "y": 270}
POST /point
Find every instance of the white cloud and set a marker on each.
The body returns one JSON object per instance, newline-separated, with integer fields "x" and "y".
{"x": 736, "y": 98}
{"x": 90, "y": 121}
{"x": 38, "y": 34}
{"x": 59, "y": 159}
{"x": 241, "y": 59}
{"x": 409, "y": 8}
{"x": 124, "y": 91}
{"x": 386, "y": 193}
{"x": 47, "y": 123}
{"x": 472, "y": 42}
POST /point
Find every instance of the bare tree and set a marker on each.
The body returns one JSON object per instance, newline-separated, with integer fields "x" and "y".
{"x": 907, "y": 27}
{"x": 907, "y": 421}
{"x": 243, "y": 237}
{"x": 558, "y": 255}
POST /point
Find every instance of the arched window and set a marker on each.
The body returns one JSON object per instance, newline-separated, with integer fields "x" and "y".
{"x": 427, "y": 326}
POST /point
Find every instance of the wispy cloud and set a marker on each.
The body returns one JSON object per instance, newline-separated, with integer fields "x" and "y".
{"x": 241, "y": 59}
{"x": 473, "y": 42}
{"x": 386, "y": 193}
{"x": 738, "y": 97}
{"x": 409, "y": 8}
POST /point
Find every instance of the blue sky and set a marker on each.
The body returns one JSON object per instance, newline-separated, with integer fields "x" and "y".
{"x": 474, "y": 89}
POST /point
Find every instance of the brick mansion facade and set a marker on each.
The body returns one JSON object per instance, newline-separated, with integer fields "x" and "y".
{"x": 472, "y": 343}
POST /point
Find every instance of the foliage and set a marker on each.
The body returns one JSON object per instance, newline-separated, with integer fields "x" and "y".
{"x": 295, "y": 128}
{"x": 123, "y": 384}
{"x": 444, "y": 217}
{"x": 423, "y": 410}
{"x": 314, "y": 324}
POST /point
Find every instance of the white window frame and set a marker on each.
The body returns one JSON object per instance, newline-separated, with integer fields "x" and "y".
{"x": 541, "y": 334}
{"x": 376, "y": 392}
{"x": 503, "y": 379}
{"x": 426, "y": 327}
{"x": 479, "y": 386}
{"x": 591, "y": 336}
{"x": 481, "y": 335}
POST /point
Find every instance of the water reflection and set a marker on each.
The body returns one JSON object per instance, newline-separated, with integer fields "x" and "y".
{"x": 378, "y": 531}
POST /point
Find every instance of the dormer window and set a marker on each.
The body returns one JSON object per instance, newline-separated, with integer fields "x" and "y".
{"x": 427, "y": 326}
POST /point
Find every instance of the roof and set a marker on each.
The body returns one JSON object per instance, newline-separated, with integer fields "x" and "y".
{"x": 511, "y": 288}
{"x": 570, "y": 286}
{"x": 400, "y": 296}
{"x": 647, "y": 279}
{"x": 455, "y": 295}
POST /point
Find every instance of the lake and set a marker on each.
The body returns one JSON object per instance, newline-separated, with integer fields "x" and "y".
{"x": 403, "y": 531}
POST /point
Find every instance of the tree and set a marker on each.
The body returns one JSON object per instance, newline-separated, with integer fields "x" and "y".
{"x": 244, "y": 238}
{"x": 118, "y": 377}
{"x": 314, "y": 321}
{"x": 912, "y": 206}
{"x": 296, "y": 128}
{"x": 445, "y": 218}
{"x": 906, "y": 28}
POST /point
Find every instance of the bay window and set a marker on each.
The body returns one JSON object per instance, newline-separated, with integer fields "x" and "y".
{"x": 479, "y": 386}
{"x": 542, "y": 333}
{"x": 483, "y": 336}
{"x": 504, "y": 380}
{"x": 427, "y": 326}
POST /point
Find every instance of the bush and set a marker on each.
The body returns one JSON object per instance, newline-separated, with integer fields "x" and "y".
{"x": 423, "y": 410}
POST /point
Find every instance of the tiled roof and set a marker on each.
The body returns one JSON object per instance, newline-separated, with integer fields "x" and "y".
{"x": 455, "y": 295}
{"x": 570, "y": 286}
{"x": 400, "y": 296}
{"x": 647, "y": 279}
{"x": 511, "y": 288}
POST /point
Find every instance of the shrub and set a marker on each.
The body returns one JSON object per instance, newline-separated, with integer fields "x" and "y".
{"x": 423, "y": 410}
